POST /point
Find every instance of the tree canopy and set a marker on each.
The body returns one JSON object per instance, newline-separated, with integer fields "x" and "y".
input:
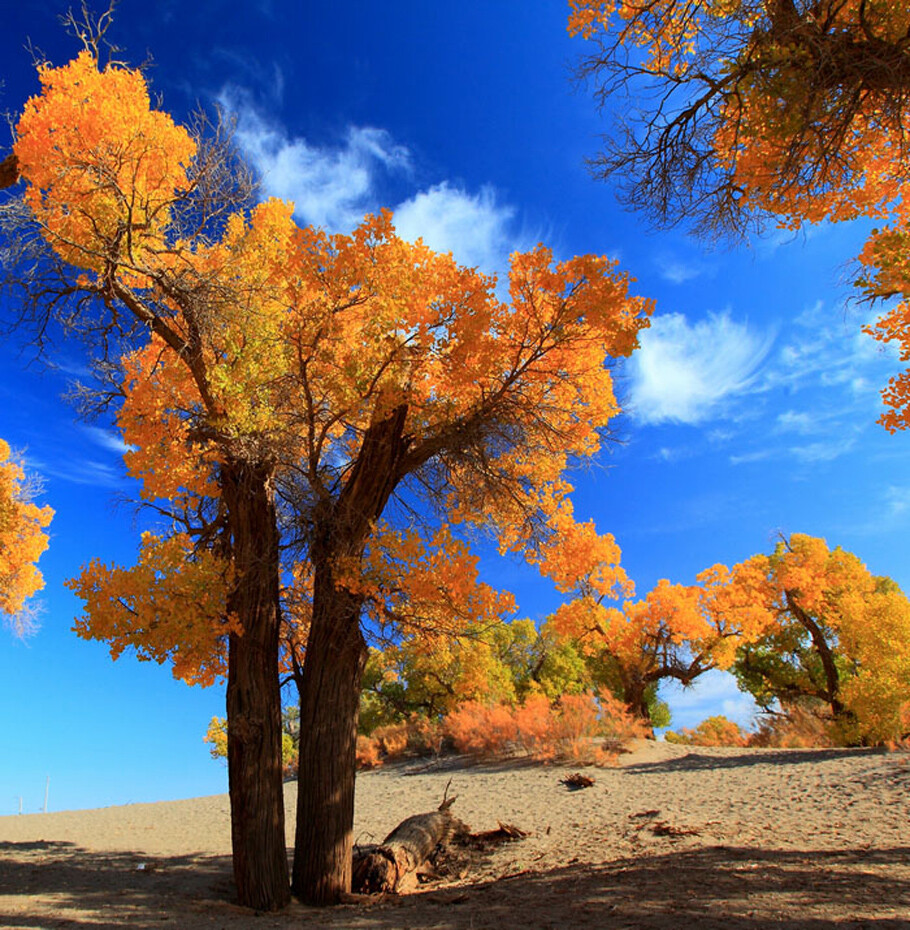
{"x": 840, "y": 639}
{"x": 22, "y": 541}
{"x": 795, "y": 110}
{"x": 322, "y": 420}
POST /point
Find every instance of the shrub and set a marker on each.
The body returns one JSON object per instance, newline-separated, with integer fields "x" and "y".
{"x": 715, "y": 731}
{"x": 579, "y": 727}
{"x": 797, "y": 727}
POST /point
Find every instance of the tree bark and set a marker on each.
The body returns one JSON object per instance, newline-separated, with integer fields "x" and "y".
{"x": 336, "y": 655}
{"x": 405, "y": 849}
{"x": 254, "y": 694}
{"x": 832, "y": 678}
{"x": 334, "y": 662}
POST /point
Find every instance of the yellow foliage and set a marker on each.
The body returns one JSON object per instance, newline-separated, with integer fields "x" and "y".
{"x": 172, "y": 605}
{"x": 22, "y": 540}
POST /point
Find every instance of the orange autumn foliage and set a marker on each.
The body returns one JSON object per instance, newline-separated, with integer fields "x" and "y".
{"x": 171, "y": 606}
{"x": 22, "y": 541}
{"x": 289, "y": 344}
{"x": 795, "y": 110}
{"x": 288, "y": 389}
{"x": 588, "y": 728}
{"x": 677, "y": 631}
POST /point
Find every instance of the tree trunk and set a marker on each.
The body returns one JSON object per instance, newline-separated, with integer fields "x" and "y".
{"x": 832, "y": 679}
{"x": 336, "y": 656}
{"x": 253, "y": 693}
{"x": 405, "y": 849}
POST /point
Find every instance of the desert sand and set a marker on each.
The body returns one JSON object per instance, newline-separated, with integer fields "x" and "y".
{"x": 671, "y": 837}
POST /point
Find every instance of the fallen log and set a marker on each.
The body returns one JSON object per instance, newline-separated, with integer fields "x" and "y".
{"x": 381, "y": 868}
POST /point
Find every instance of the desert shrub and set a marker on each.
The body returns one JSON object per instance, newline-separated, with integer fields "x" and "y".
{"x": 417, "y": 736}
{"x": 715, "y": 731}
{"x": 367, "y": 752}
{"x": 482, "y": 729}
{"x": 587, "y": 728}
{"x": 796, "y": 727}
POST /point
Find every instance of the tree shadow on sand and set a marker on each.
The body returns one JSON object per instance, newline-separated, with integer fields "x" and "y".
{"x": 713, "y": 888}
{"x": 115, "y": 888}
{"x": 695, "y": 761}
{"x": 709, "y": 888}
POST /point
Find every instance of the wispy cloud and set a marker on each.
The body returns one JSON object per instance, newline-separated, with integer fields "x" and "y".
{"x": 331, "y": 186}
{"x": 684, "y": 372}
{"x": 823, "y": 451}
{"x": 475, "y": 228}
{"x": 676, "y": 270}
{"x": 334, "y": 186}
{"x": 105, "y": 439}
{"x": 81, "y": 471}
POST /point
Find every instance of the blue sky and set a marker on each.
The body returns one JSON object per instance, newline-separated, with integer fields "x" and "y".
{"x": 750, "y": 408}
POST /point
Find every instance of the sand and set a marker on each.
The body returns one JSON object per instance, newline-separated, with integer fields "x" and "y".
{"x": 673, "y": 837}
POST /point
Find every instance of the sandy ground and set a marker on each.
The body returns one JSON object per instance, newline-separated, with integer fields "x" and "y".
{"x": 673, "y": 837}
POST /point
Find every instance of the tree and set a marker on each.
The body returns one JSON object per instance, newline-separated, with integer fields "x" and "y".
{"x": 297, "y": 396}
{"x": 677, "y": 631}
{"x": 756, "y": 109}
{"x": 840, "y": 639}
{"x": 22, "y": 541}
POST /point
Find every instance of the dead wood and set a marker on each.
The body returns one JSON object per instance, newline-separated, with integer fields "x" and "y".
{"x": 576, "y": 781}
{"x": 502, "y": 834}
{"x": 9, "y": 171}
{"x": 382, "y": 868}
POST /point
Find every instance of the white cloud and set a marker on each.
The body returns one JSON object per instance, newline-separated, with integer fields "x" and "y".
{"x": 684, "y": 372}
{"x": 823, "y": 451}
{"x": 106, "y": 439}
{"x": 712, "y": 693}
{"x": 898, "y": 500}
{"x": 331, "y": 186}
{"x": 790, "y": 421}
{"x": 677, "y": 271}
{"x": 748, "y": 458}
{"x": 81, "y": 471}
{"x": 473, "y": 227}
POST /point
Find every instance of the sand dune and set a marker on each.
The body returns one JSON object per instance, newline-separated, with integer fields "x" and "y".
{"x": 673, "y": 837}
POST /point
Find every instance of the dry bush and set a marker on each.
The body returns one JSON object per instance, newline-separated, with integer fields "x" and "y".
{"x": 367, "y": 752}
{"x": 797, "y": 728}
{"x": 584, "y": 728}
{"x": 417, "y": 736}
{"x": 715, "y": 731}
{"x": 482, "y": 729}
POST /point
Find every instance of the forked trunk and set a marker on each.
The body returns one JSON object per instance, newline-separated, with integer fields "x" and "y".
{"x": 253, "y": 694}
{"x": 336, "y": 655}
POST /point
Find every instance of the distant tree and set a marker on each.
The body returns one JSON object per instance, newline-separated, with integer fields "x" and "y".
{"x": 290, "y": 397}
{"x": 840, "y": 639}
{"x": 22, "y": 541}
{"x": 748, "y": 110}
{"x": 677, "y": 632}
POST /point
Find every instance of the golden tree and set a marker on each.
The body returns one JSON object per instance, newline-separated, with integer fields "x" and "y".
{"x": 22, "y": 541}
{"x": 291, "y": 396}
{"x": 840, "y": 638}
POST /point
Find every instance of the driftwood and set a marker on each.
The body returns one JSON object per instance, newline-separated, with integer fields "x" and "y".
{"x": 9, "y": 171}
{"x": 576, "y": 781}
{"x": 381, "y": 868}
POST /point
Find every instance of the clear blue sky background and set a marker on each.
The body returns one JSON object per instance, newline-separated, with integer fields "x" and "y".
{"x": 751, "y": 406}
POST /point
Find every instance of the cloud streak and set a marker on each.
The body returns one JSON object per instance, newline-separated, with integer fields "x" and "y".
{"x": 685, "y": 372}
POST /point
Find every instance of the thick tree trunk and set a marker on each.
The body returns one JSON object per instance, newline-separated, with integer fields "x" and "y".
{"x": 336, "y": 656}
{"x": 831, "y": 693}
{"x": 405, "y": 849}
{"x": 253, "y": 693}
